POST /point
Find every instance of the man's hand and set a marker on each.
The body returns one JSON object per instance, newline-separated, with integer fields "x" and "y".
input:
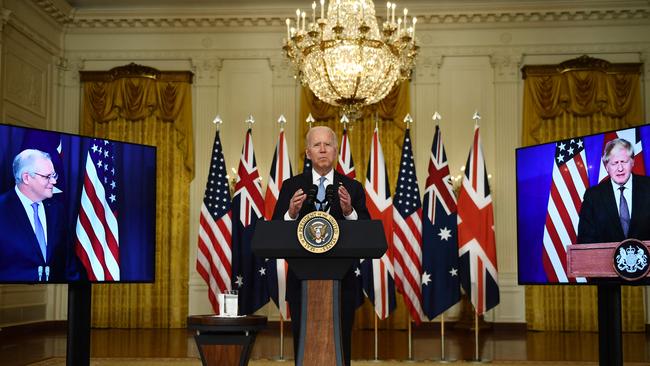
{"x": 346, "y": 201}
{"x": 295, "y": 204}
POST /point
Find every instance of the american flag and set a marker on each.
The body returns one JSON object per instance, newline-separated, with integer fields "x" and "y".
{"x": 440, "y": 282}
{"x": 277, "y": 268}
{"x": 476, "y": 243}
{"x": 634, "y": 137}
{"x": 569, "y": 183}
{"x": 214, "y": 254}
{"x": 378, "y": 274}
{"x": 407, "y": 233}
{"x": 249, "y": 272}
{"x": 97, "y": 234}
{"x": 346, "y": 164}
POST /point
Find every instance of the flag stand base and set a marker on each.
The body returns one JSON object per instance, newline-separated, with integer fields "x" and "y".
{"x": 478, "y": 361}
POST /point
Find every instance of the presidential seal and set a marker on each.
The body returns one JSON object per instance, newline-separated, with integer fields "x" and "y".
{"x": 631, "y": 260}
{"x": 318, "y": 232}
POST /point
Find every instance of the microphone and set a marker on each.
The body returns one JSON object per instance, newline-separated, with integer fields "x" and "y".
{"x": 332, "y": 195}
{"x": 311, "y": 195}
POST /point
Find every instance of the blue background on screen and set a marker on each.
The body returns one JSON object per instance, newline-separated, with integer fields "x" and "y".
{"x": 136, "y": 174}
{"x": 534, "y": 176}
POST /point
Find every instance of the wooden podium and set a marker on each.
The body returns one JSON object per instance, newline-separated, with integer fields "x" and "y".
{"x": 225, "y": 341}
{"x": 596, "y": 262}
{"x": 320, "y": 275}
{"x": 593, "y": 260}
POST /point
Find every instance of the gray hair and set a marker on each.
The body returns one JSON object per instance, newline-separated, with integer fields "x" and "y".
{"x": 24, "y": 162}
{"x": 331, "y": 131}
{"x": 614, "y": 144}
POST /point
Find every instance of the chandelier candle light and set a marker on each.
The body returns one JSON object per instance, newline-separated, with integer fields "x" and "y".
{"x": 344, "y": 58}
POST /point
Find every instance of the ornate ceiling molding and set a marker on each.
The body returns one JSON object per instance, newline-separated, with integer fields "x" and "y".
{"x": 59, "y": 11}
{"x": 178, "y": 18}
{"x": 577, "y": 49}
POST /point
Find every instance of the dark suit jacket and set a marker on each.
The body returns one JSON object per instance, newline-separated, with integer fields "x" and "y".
{"x": 599, "y": 220}
{"x": 349, "y": 289}
{"x": 20, "y": 254}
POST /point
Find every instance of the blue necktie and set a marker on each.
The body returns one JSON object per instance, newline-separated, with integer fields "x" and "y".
{"x": 38, "y": 230}
{"x": 320, "y": 196}
{"x": 624, "y": 213}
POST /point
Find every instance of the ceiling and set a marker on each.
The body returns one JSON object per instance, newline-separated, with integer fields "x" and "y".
{"x": 125, "y": 4}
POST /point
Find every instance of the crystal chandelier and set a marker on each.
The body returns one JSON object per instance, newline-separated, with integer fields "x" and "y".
{"x": 344, "y": 58}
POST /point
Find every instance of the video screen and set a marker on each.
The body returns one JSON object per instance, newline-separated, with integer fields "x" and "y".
{"x": 75, "y": 209}
{"x": 552, "y": 179}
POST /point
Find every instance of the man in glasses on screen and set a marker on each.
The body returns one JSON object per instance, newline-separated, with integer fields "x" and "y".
{"x": 32, "y": 245}
{"x": 619, "y": 207}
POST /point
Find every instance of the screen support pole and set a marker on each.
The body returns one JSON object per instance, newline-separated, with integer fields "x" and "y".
{"x": 78, "y": 343}
{"x": 610, "y": 349}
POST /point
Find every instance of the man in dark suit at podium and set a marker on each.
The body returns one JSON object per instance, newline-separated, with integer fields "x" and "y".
{"x": 619, "y": 207}
{"x": 32, "y": 246}
{"x": 321, "y": 148}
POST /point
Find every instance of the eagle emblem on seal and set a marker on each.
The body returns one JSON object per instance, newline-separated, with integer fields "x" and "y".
{"x": 319, "y": 231}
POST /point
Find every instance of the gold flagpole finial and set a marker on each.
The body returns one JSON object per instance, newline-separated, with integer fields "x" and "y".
{"x": 282, "y": 121}
{"x": 250, "y": 120}
{"x": 217, "y": 121}
{"x": 310, "y": 120}
{"x": 476, "y": 117}
{"x": 408, "y": 120}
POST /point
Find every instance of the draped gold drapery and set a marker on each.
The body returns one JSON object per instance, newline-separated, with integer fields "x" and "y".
{"x": 142, "y": 105}
{"x": 575, "y": 98}
{"x": 390, "y": 113}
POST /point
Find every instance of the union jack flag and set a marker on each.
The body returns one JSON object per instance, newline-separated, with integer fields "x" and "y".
{"x": 346, "y": 164}
{"x": 214, "y": 254}
{"x": 249, "y": 272}
{"x": 407, "y": 233}
{"x": 97, "y": 234}
{"x": 277, "y": 268}
{"x": 440, "y": 283}
{"x": 476, "y": 243}
{"x": 378, "y": 274}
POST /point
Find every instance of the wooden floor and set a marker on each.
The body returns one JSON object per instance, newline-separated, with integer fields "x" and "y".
{"x": 30, "y": 344}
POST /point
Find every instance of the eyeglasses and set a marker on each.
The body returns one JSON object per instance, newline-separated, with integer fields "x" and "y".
{"x": 53, "y": 176}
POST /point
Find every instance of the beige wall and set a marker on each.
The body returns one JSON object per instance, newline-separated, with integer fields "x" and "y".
{"x": 469, "y": 61}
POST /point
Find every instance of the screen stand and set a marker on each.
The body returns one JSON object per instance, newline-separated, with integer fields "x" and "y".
{"x": 78, "y": 344}
{"x": 609, "y": 325}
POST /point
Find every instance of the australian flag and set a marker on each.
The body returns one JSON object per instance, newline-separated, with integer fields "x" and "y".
{"x": 440, "y": 283}
{"x": 249, "y": 273}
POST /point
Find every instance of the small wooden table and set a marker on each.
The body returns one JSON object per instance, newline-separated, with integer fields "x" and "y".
{"x": 225, "y": 341}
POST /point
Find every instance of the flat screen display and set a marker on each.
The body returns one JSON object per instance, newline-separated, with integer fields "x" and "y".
{"x": 75, "y": 208}
{"x": 552, "y": 179}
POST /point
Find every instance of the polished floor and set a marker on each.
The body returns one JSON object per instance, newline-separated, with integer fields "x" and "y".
{"x": 31, "y": 344}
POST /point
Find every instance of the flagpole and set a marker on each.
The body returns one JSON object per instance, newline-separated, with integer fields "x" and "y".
{"x": 281, "y": 338}
{"x": 443, "y": 358}
{"x": 476, "y": 357}
{"x": 410, "y": 336}
{"x": 376, "y": 338}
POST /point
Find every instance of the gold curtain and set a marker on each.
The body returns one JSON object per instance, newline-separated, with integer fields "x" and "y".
{"x": 579, "y": 97}
{"x": 390, "y": 113}
{"x": 155, "y": 110}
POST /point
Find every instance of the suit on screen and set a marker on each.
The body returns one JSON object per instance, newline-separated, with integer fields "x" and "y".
{"x": 348, "y": 284}
{"x": 599, "y": 218}
{"x": 20, "y": 254}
